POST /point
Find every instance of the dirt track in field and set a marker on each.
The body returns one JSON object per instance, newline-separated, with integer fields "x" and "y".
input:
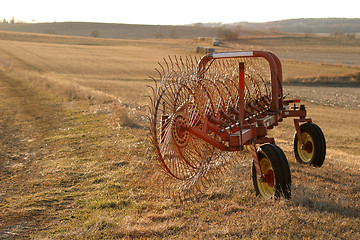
{"x": 26, "y": 117}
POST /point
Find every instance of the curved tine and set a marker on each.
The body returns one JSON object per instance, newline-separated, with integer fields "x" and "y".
{"x": 187, "y": 190}
{"x": 264, "y": 83}
{"x": 178, "y": 192}
{"x": 162, "y": 78}
{"x": 193, "y": 63}
{"x": 208, "y": 179}
{"x": 182, "y": 63}
{"x": 251, "y": 80}
{"x": 198, "y": 184}
{"x": 163, "y": 71}
{"x": 184, "y": 66}
{"x": 154, "y": 95}
{"x": 148, "y": 129}
{"x": 152, "y": 88}
{"x": 183, "y": 195}
{"x": 151, "y": 101}
{"x": 248, "y": 94}
{"x": 227, "y": 165}
{"x": 167, "y": 186}
{"x": 209, "y": 65}
{"x": 188, "y": 63}
{"x": 219, "y": 171}
{"x": 172, "y": 64}
{"x": 177, "y": 63}
{"x": 225, "y": 91}
{"x": 154, "y": 80}
{"x": 150, "y": 117}
{"x": 259, "y": 76}
{"x": 257, "y": 87}
{"x": 174, "y": 61}
{"x": 205, "y": 182}
{"x": 196, "y": 62}
{"x": 219, "y": 85}
{"x": 157, "y": 87}
{"x": 167, "y": 65}
{"x": 203, "y": 88}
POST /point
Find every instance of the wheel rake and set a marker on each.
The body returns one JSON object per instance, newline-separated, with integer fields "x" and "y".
{"x": 205, "y": 113}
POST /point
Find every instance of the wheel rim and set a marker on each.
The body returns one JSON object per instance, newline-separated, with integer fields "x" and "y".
{"x": 306, "y": 153}
{"x": 266, "y": 186}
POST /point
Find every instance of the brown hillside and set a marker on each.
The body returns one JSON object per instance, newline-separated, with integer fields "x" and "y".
{"x": 122, "y": 31}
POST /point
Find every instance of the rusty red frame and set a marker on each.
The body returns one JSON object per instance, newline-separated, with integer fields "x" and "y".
{"x": 241, "y": 133}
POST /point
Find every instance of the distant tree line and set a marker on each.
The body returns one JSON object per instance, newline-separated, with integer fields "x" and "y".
{"x": 229, "y": 33}
{"x": 11, "y": 21}
{"x": 340, "y": 34}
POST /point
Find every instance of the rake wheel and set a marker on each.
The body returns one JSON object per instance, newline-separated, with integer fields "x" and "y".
{"x": 183, "y": 99}
{"x": 183, "y": 156}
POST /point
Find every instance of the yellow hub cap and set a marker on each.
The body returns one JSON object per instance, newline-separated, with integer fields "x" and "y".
{"x": 267, "y": 185}
{"x": 307, "y": 151}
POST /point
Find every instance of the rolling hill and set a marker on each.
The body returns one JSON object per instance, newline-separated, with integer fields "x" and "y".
{"x": 315, "y": 25}
{"x": 119, "y": 31}
{"x": 136, "y": 31}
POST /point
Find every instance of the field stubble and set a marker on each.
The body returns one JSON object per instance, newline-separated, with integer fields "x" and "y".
{"x": 76, "y": 160}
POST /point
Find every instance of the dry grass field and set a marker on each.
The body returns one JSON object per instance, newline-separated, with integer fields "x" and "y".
{"x": 76, "y": 160}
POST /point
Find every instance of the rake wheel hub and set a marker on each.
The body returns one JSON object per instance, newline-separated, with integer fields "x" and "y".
{"x": 308, "y": 147}
{"x": 180, "y": 135}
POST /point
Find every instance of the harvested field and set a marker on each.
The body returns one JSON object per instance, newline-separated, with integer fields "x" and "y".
{"x": 336, "y": 96}
{"x": 76, "y": 162}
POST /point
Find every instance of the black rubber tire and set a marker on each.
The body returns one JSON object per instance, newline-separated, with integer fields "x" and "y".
{"x": 318, "y": 145}
{"x": 281, "y": 171}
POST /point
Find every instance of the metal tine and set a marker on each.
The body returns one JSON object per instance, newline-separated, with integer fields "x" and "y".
{"x": 152, "y": 102}
{"x": 177, "y": 63}
{"x": 189, "y": 194}
{"x": 167, "y": 65}
{"x": 165, "y": 73}
{"x": 152, "y": 88}
{"x": 189, "y": 63}
{"x": 195, "y": 186}
{"x": 172, "y": 64}
{"x": 154, "y": 80}
{"x": 220, "y": 170}
{"x": 149, "y": 128}
{"x": 163, "y": 70}
{"x": 207, "y": 179}
{"x": 183, "y": 65}
{"x": 161, "y": 76}
{"x": 194, "y": 62}
{"x": 253, "y": 82}
{"x": 182, "y": 71}
{"x": 205, "y": 182}
{"x": 185, "y": 192}
{"x": 264, "y": 84}
{"x": 169, "y": 188}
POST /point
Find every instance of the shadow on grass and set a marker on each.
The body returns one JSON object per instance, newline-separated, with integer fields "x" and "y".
{"x": 328, "y": 206}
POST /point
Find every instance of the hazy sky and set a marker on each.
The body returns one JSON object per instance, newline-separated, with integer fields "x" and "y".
{"x": 175, "y": 12}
